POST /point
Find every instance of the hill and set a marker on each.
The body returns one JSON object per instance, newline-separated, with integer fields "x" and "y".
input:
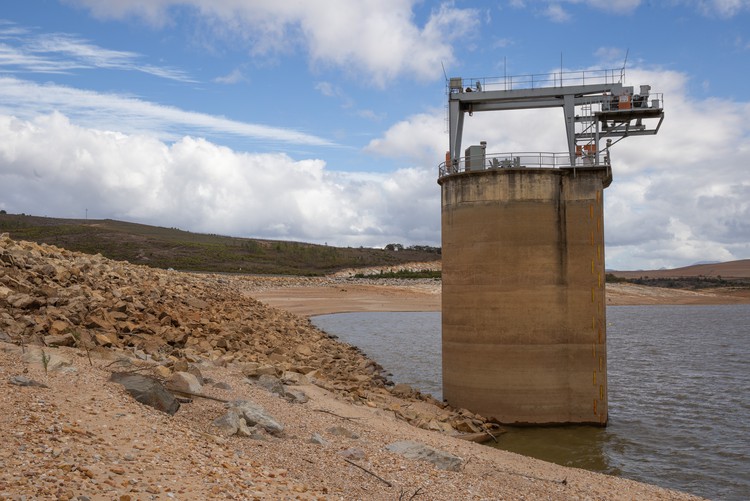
{"x": 729, "y": 270}
{"x": 732, "y": 275}
{"x": 164, "y": 248}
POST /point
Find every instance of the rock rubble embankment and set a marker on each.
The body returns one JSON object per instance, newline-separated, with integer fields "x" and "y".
{"x": 51, "y": 296}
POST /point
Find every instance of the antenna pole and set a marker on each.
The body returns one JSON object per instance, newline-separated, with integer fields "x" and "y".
{"x": 505, "y": 73}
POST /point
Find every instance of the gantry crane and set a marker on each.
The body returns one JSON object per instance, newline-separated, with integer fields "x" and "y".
{"x": 596, "y": 107}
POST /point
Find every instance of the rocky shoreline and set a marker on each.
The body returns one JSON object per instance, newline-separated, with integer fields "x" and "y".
{"x": 68, "y": 321}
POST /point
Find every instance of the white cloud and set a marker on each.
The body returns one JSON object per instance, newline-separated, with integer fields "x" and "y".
{"x": 722, "y": 8}
{"x": 65, "y": 53}
{"x": 554, "y": 9}
{"x": 616, "y": 6}
{"x": 233, "y": 77}
{"x": 132, "y": 115}
{"x": 377, "y": 39}
{"x": 199, "y": 186}
{"x": 420, "y": 139}
{"x": 556, "y": 13}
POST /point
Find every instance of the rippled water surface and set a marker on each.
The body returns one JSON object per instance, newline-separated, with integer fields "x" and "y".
{"x": 679, "y": 393}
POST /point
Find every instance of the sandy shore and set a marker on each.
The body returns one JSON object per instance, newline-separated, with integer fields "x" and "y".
{"x": 320, "y": 296}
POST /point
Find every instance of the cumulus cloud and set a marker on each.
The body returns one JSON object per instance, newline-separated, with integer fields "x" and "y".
{"x": 378, "y": 39}
{"x": 197, "y": 185}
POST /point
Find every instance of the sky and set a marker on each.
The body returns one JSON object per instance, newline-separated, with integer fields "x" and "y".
{"x": 325, "y": 121}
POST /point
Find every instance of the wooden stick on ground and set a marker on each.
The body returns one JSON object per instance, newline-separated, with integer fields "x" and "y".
{"x": 386, "y": 482}
{"x": 337, "y": 415}
{"x": 190, "y": 393}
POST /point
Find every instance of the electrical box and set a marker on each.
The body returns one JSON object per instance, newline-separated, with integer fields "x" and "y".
{"x": 475, "y": 157}
{"x": 456, "y": 84}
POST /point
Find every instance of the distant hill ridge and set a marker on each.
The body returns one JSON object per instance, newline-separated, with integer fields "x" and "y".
{"x": 728, "y": 270}
{"x": 164, "y": 248}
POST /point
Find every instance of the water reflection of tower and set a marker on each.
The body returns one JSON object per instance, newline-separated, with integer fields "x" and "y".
{"x": 524, "y": 328}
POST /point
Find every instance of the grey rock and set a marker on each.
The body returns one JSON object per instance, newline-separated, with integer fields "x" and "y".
{"x": 229, "y": 422}
{"x": 147, "y": 391}
{"x": 234, "y": 423}
{"x": 254, "y": 414}
{"x": 340, "y": 431}
{"x": 354, "y": 453}
{"x": 295, "y": 396}
{"x": 55, "y": 361}
{"x": 24, "y": 381}
{"x": 317, "y": 439}
{"x": 222, "y": 385}
{"x": 270, "y": 383}
{"x": 255, "y": 432}
{"x": 415, "y": 450}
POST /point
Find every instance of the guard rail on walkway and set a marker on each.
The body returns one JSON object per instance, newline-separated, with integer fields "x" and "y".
{"x": 537, "y": 81}
{"x": 521, "y": 160}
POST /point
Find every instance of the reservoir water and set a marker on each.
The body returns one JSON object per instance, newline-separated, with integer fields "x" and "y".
{"x": 679, "y": 393}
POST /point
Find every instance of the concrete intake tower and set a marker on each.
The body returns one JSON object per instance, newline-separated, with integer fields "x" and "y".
{"x": 524, "y": 307}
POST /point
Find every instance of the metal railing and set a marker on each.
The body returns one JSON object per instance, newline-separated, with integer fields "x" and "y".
{"x": 654, "y": 100}
{"x": 520, "y": 160}
{"x": 537, "y": 80}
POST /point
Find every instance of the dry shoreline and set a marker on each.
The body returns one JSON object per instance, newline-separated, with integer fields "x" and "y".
{"x": 320, "y": 296}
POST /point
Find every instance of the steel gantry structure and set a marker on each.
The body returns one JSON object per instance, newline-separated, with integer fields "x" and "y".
{"x": 596, "y": 106}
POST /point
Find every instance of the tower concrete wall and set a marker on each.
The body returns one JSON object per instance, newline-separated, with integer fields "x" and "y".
{"x": 523, "y": 313}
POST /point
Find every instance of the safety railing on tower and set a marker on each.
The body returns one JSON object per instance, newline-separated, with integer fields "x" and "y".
{"x": 536, "y": 80}
{"x": 522, "y": 160}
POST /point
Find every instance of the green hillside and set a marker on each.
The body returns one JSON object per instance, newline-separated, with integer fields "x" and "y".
{"x": 182, "y": 250}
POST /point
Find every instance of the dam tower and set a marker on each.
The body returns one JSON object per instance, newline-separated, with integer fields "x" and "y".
{"x": 523, "y": 304}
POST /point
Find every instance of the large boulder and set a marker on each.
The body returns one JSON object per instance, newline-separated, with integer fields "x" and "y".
{"x": 415, "y": 450}
{"x": 184, "y": 382}
{"x": 148, "y": 391}
{"x": 254, "y": 414}
{"x": 55, "y": 361}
